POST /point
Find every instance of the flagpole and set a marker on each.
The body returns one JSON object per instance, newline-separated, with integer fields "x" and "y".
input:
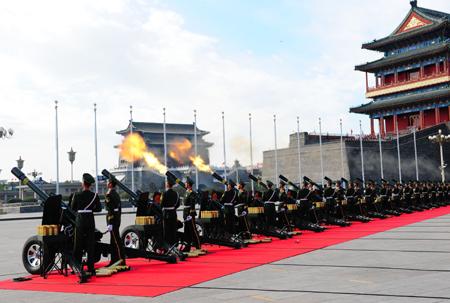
{"x": 320, "y": 148}
{"x": 381, "y": 155}
{"x": 342, "y": 150}
{"x": 276, "y": 147}
{"x": 95, "y": 146}
{"x": 224, "y": 147}
{"x": 195, "y": 147}
{"x": 299, "y": 153}
{"x": 165, "y": 138}
{"x": 362, "y": 152}
{"x": 57, "y": 147}
{"x": 415, "y": 153}
{"x": 398, "y": 152}
{"x": 251, "y": 150}
{"x": 132, "y": 159}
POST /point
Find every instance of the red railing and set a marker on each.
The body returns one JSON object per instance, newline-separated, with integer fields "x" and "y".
{"x": 395, "y": 84}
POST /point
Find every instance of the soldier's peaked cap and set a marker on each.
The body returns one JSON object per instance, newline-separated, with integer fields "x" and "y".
{"x": 231, "y": 182}
{"x": 87, "y": 178}
{"x": 189, "y": 181}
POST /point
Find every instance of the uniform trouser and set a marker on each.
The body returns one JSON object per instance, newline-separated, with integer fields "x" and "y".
{"x": 330, "y": 208}
{"x": 116, "y": 245}
{"x": 190, "y": 232}
{"x": 170, "y": 226}
{"x": 84, "y": 240}
{"x": 270, "y": 214}
{"x": 229, "y": 218}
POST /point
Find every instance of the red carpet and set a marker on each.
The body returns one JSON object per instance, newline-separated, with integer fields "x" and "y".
{"x": 155, "y": 278}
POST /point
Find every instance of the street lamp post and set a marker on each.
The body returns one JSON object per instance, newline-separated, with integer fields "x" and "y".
{"x": 35, "y": 174}
{"x": 71, "y": 160}
{"x": 20, "y": 162}
{"x": 441, "y": 139}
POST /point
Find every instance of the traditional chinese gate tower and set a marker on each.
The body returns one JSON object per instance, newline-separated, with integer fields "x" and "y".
{"x": 412, "y": 80}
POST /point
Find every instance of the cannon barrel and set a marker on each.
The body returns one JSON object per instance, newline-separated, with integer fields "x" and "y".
{"x": 176, "y": 179}
{"x": 288, "y": 182}
{"x": 125, "y": 188}
{"x": 218, "y": 177}
{"x": 24, "y": 180}
{"x": 67, "y": 211}
{"x": 252, "y": 177}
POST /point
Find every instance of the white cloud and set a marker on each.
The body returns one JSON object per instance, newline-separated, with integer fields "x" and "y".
{"x": 117, "y": 53}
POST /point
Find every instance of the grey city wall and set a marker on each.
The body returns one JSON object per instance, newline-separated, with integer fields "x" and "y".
{"x": 428, "y": 158}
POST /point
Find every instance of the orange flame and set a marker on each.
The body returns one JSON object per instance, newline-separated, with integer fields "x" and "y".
{"x": 200, "y": 164}
{"x": 180, "y": 149}
{"x": 133, "y": 148}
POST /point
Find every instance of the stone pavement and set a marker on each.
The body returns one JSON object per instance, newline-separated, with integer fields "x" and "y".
{"x": 407, "y": 264}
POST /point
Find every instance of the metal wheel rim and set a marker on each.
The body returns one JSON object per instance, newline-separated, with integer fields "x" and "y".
{"x": 34, "y": 255}
{"x": 199, "y": 229}
{"x": 131, "y": 240}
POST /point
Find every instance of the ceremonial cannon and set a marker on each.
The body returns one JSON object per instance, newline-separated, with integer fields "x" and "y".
{"x": 301, "y": 209}
{"x": 207, "y": 218}
{"x": 52, "y": 248}
{"x": 146, "y": 234}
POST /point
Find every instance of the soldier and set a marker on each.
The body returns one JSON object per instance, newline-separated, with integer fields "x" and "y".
{"x": 339, "y": 194}
{"x": 270, "y": 196}
{"x": 189, "y": 213}
{"x": 282, "y": 194}
{"x": 306, "y": 212}
{"x": 228, "y": 200}
{"x": 354, "y": 208}
{"x": 330, "y": 195}
{"x": 170, "y": 201}
{"x": 242, "y": 204}
{"x": 84, "y": 203}
{"x": 114, "y": 211}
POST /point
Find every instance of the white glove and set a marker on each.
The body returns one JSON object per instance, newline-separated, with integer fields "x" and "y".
{"x": 109, "y": 228}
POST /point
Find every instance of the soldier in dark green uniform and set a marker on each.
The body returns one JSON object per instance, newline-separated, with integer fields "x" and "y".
{"x": 228, "y": 200}
{"x": 270, "y": 196}
{"x": 84, "y": 203}
{"x": 170, "y": 201}
{"x": 189, "y": 213}
{"x": 242, "y": 202}
{"x": 114, "y": 208}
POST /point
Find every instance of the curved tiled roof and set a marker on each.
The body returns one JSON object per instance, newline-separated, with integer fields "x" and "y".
{"x": 438, "y": 21}
{"x": 400, "y": 101}
{"x": 403, "y": 57}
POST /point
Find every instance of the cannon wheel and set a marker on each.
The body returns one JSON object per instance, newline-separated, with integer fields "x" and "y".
{"x": 34, "y": 254}
{"x": 131, "y": 238}
{"x": 200, "y": 229}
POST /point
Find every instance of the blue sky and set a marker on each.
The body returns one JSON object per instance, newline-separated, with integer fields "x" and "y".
{"x": 290, "y": 58}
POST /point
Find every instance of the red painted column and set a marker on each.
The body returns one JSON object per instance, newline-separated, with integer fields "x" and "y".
{"x": 372, "y": 130}
{"x": 381, "y": 121}
{"x": 437, "y": 115}
{"x": 395, "y": 124}
{"x": 421, "y": 120}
